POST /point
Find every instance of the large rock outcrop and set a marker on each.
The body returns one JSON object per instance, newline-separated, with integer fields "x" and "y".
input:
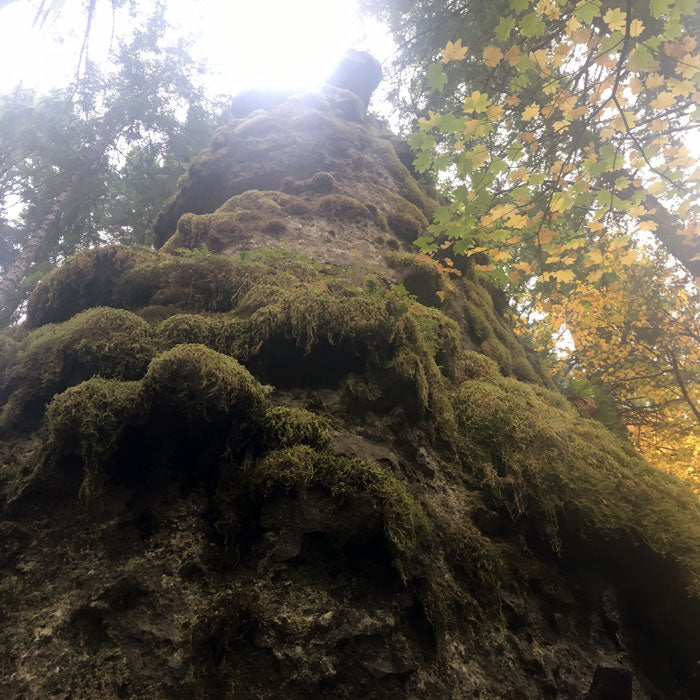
{"x": 282, "y": 456}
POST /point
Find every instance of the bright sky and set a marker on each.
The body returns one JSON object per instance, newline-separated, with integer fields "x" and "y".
{"x": 272, "y": 43}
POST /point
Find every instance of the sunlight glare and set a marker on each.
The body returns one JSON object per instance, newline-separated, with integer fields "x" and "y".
{"x": 278, "y": 43}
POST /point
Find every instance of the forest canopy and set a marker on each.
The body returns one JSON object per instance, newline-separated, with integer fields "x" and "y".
{"x": 565, "y": 138}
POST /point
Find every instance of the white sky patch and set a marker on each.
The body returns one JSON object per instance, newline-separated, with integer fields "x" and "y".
{"x": 287, "y": 44}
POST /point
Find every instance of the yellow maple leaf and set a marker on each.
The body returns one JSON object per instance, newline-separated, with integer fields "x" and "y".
{"x": 494, "y": 112}
{"x": 513, "y": 100}
{"x": 635, "y": 85}
{"x": 572, "y": 25}
{"x": 594, "y": 276}
{"x": 658, "y": 125}
{"x": 654, "y": 81}
{"x": 517, "y": 221}
{"x": 492, "y": 56}
{"x": 615, "y": 19}
{"x": 658, "y": 187}
{"x": 484, "y": 268}
{"x": 514, "y": 55}
{"x": 530, "y": 112}
{"x": 539, "y": 58}
{"x": 663, "y": 101}
{"x": 688, "y": 66}
{"x": 453, "y": 51}
{"x": 629, "y": 258}
{"x": 594, "y": 257}
{"x": 636, "y": 27}
{"x": 647, "y": 226}
{"x": 564, "y": 275}
{"x": 561, "y": 126}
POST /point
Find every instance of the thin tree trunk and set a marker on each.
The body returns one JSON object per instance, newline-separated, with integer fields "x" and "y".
{"x": 681, "y": 385}
{"x": 19, "y": 269}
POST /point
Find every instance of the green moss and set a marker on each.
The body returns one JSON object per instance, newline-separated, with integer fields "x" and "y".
{"x": 549, "y": 462}
{"x": 386, "y": 152}
{"x": 475, "y": 365}
{"x": 407, "y": 228}
{"x": 340, "y": 206}
{"x": 320, "y": 183}
{"x": 412, "y": 191}
{"x": 396, "y": 204}
{"x": 300, "y": 467}
{"x": 88, "y": 419}
{"x": 259, "y": 125}
{"x": 185, "y": 328}
{"x": 200, "y": 384}
{"x": 285, "y": 426}
{"x": 441, "y": 336}
{"x": 110, "y": 342}
{"x": 86, "y": 279}
{"x": 420, "y": 276}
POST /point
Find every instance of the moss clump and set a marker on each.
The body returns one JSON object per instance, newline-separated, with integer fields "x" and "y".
{"x": 88, "y": 419}
{"x": 420, "y": 276}
{"x": 475, "y": 365}
{"x": 300, "y": 467}
{"x": 549, "y": 463}
{"x": 395, "y": 204}
{"x": 285, "y": 426}
{"x": 197, "y": 383}
{"x": 86, "y": 279}
{"x": 110, "y": 342}
{"x": 320, "y": 183}
{"x": 340, "y": 206}
{"x": 186, "y": 328}
{"x": 406, "y": 227}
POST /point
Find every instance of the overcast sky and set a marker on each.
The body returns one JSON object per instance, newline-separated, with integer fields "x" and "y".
{"x": 280, "y": 43}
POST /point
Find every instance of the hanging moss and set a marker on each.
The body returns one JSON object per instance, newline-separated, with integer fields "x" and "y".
{"x": 88, "y": 419}
{"x": 110, "y": 342}
{"x": 550, "y": 463}
{"x": 300, "y": 467}
{"x": 85, "y": 280}
{"x": 285, "y": 426}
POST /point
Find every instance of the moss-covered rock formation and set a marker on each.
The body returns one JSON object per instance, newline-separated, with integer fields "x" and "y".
{"x": 283, "y": 457}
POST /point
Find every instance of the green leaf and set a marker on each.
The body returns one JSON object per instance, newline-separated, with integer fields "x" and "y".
{"x": 532, "y": 25}
{"x": 504, "y": 28}
{"x": 587, "y": 10}
{"x": 450, "y": 124}
{"x": 519, "y": 5}
{"x": 426, "y": 244}
{"x": 436, "y": 77}
{"x": 537, "y": 179}
{"x": 423, "y": 161}
{"x": 442, "y": 215}
{"x": 614, "y": 40}
{"x": 659, "y": 7}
